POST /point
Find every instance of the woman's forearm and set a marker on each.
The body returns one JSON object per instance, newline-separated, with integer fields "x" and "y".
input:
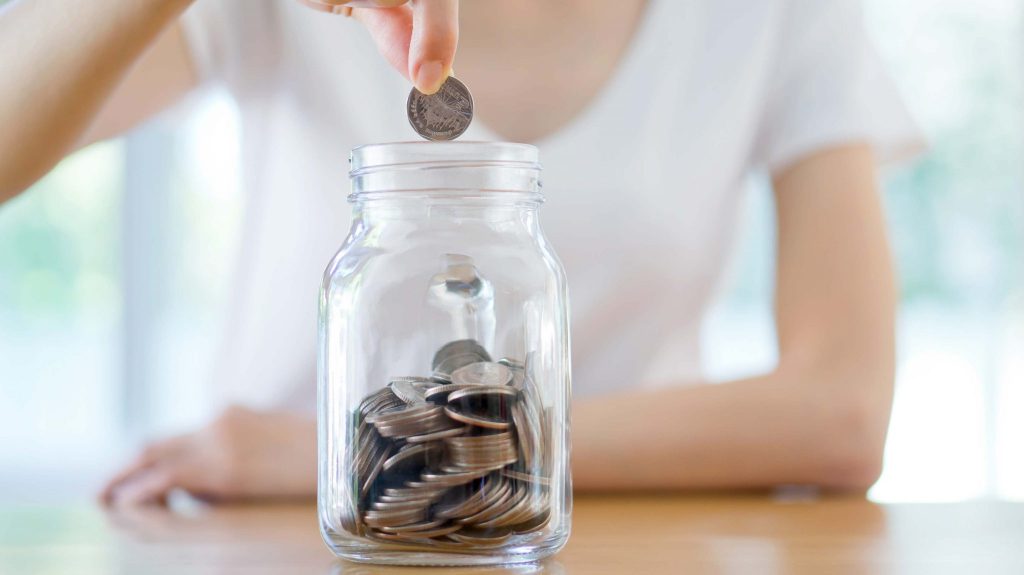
{"x": 821, "y": 417}
{"x": 62, "y": 60}
{"x": 781, "y": 428}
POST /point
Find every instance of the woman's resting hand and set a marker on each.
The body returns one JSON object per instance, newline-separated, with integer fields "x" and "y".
{"x": 244, "y": 454}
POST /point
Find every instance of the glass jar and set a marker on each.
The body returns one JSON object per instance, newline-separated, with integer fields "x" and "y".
{"x": 444, "y": 376}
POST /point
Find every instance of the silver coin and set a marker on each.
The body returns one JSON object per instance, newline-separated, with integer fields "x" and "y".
{"x": 413, "y": 542}
{"x": 419, "y": 380}
{"x": 453, "y": 432}
{"x": 397, "y": 506}
{"x": 495, "y": 391}
{"x": 374, "y": 472}
{"x": 480, "y": 456}
{"x": 512, "y": 363}
{"x": 451, "y": 479}
{"x": 427, "y": 499}
{"x": 454, "y": 362}
{"x": 394, "y": 518}
{"x": 494, "y": 492}
{"x": 479, "y": 453}
{"x": 420, "y": 531}
{"x": 419, "y": 534}
{"x": 482, "y": 537}
{"x": 408, "y": 391}
{"x": 419, "y": 424}
{"x": 350, "y": 521}
{"x": 477, "y": 420}
{"x": 401, "y": 414}
{"x": 523, "y": 434}
{"x": 482, "y": 373}
{"x": 439, "y": 393}
{"x": 414, "y": 492}
{"x": 444, "y": 115}
{"x": 378, "y": 401}
{"x": 520, "y": 502}
{"x": 450, "y": 507}
{"x": 369, "y": 444}
{"x": 411, "y": 454}
{"x": 475, "y": 440}
{"x": 541, "y": 513}
{"x": 424, "y": 526}
{"x": 498, "y": 506}
{"x": 457, "y": 347}
{"x": 487, "y": 462}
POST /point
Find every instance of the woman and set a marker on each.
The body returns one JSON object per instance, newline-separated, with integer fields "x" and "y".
{"x": 649, "y": 115}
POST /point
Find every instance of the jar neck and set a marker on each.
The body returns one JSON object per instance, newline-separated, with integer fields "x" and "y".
{"x": 490, "y": 181}
{"x": 438, "y": 205}
{"x": 448, "y": 168}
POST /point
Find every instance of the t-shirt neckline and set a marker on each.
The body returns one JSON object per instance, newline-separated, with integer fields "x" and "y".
{"x": 625, "y": 67}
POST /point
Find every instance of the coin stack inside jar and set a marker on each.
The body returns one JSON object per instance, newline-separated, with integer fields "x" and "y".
{"x": 456, "y": 460}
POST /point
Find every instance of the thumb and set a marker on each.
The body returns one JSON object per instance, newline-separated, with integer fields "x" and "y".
{"x": 435, "y": 37}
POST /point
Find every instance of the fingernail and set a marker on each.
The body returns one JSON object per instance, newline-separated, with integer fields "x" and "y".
{"x": 430, "y": 77}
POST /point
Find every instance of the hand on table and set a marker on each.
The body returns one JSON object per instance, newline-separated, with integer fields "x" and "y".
{"x": 244, "y": 454}
{"x": 417, "y": 37}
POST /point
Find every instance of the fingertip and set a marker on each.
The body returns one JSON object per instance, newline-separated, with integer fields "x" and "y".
{"x": 106, "y": 494}
{"x": 103, "y": 497}
{"x": 430, "y": 76}
{"x": 434, "y": 41}
{"x": 148, "y": 486}
{"x": 144, "y": 460}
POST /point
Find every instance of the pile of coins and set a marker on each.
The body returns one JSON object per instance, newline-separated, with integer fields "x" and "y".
{"x": 456, "y": 460}
{"x": 443, "y": 115}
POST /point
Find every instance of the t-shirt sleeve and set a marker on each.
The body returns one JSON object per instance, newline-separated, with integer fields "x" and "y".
{"x": 233, "y": 42}
{"x": 829, "y": 87}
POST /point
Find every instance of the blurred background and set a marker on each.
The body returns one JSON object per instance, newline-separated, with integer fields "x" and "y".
{"x": 114, "y": 271}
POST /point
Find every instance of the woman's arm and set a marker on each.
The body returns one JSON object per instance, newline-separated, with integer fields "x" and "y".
{"x": 162, "y": 76}
{"x": 62, "y": 61}
{"x": 78, "y": 72}
{"x": 821, "y": 417}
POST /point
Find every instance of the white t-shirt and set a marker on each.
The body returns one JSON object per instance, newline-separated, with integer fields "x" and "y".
{"x": 643, "y": 187}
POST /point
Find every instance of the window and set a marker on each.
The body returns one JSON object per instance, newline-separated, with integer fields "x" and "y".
{"x": 112, "y": 271}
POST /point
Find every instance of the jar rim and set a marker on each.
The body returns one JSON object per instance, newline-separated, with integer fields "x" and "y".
{"x": 448, "y": 167}
{"x": 469, "y": 153}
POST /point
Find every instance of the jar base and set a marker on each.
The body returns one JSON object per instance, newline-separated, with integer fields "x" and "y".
{"x": 512, "y": 555}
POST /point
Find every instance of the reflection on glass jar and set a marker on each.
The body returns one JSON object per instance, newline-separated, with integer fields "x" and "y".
{"x": 444, "y": 374}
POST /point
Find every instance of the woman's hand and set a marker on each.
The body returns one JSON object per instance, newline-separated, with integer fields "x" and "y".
{"x": 418, "y": 37}
{"x": 244, "y": 454}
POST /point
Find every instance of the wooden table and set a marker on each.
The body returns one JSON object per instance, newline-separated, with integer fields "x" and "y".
{"x": 633, "y": 535}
